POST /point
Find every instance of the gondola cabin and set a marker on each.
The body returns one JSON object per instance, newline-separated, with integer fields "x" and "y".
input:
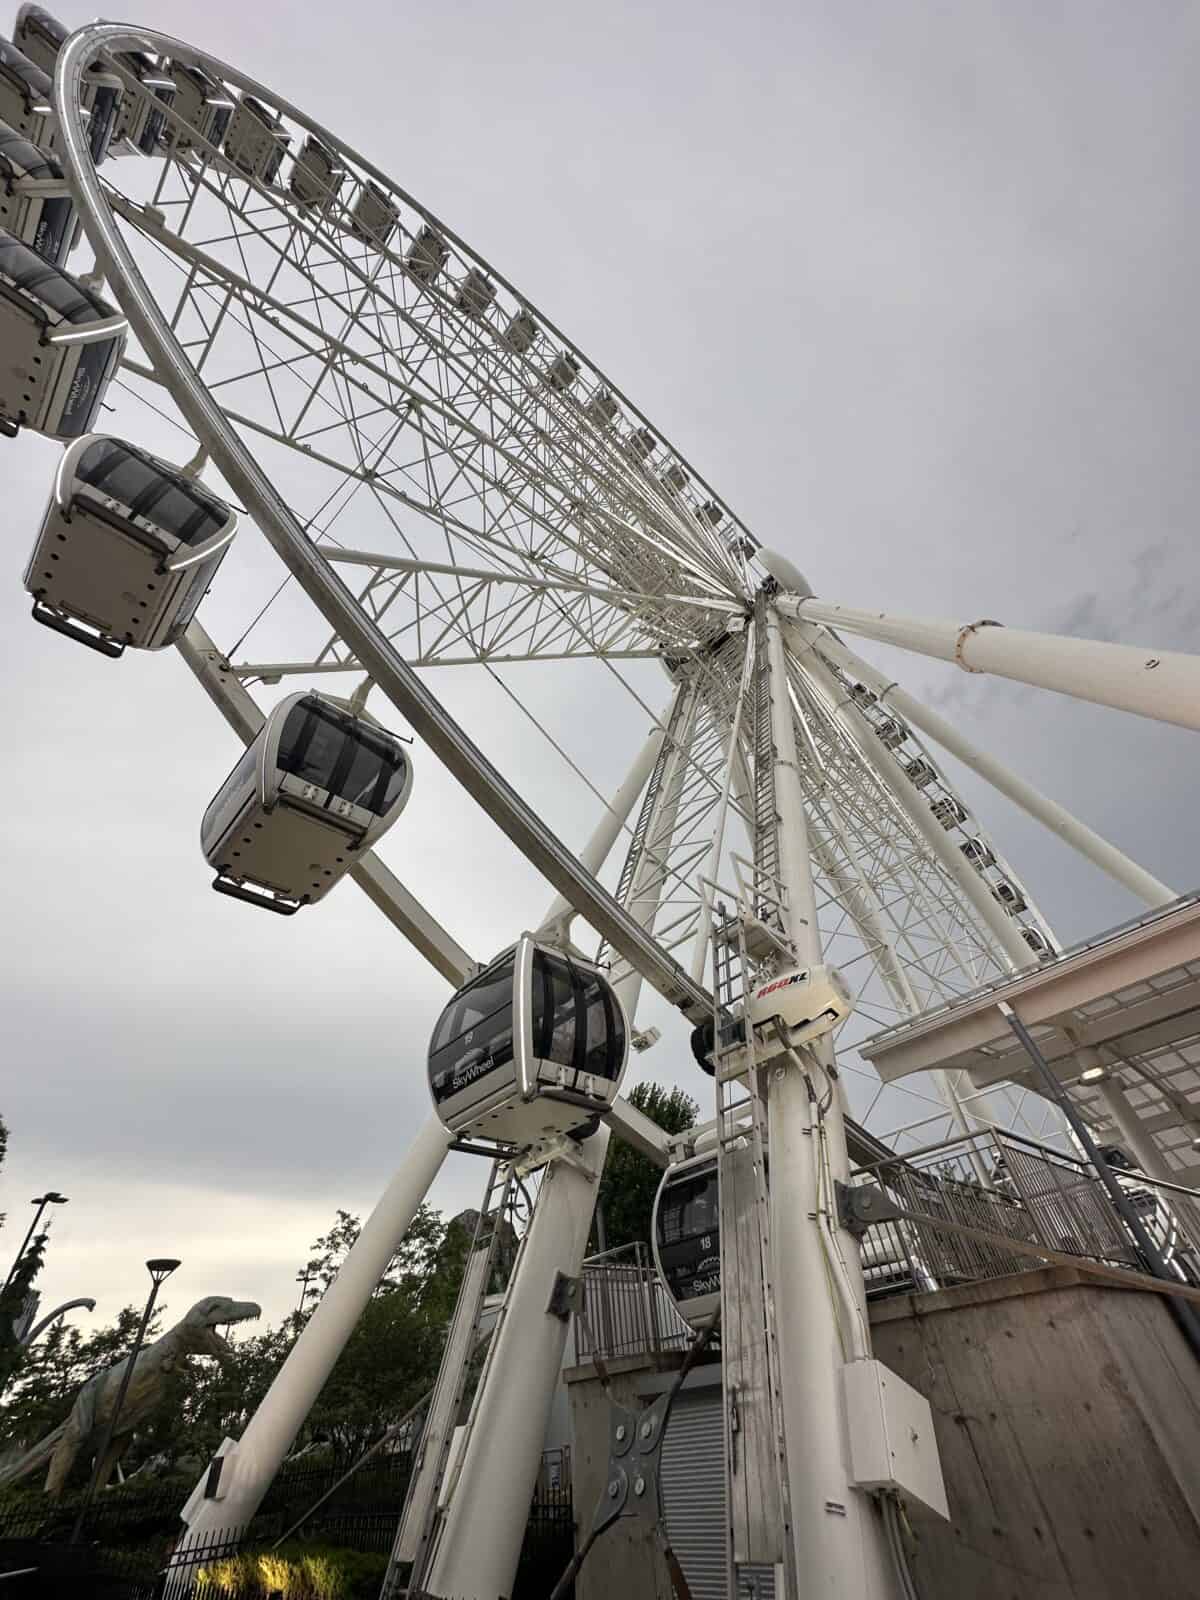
{"x": 257, "y": 141}
{"x": 141, "y": 123}
{"x": 374, "y": 215}
{"x": 127, "y": 549}
{"x": 535, "y": 1046}
{"x": 686, "y": 1235}
{"x": 317, "y": 176}
{"x": 315, "y": 790}
{"x": 62, "y": 344}
{"x": 35, "y": 203}
{"x": 27, "y": 99}
{"x": 201, "y": 104}
{"x": 41, "y": 36}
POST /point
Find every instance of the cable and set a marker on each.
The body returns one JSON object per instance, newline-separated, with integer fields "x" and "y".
{"x": 894, "y": 1521}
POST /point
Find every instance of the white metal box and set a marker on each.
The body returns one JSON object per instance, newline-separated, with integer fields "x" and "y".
{"x": 892, "y": 1442}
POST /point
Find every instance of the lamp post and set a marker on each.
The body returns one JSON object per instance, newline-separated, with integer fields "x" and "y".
{"x": 41, "y": 1201}
{"x": 160, "y": 1270}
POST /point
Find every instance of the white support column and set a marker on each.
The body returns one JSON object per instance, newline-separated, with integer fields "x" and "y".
{"x": 1077, "y": 834}
{"x": 649, "y": 878}
{"x": 733, "y": 763}
{"x": 479, "y": 1542}
{"x": 839, "y": 1538}
{"x": 1125, "y": 1118}
{"x": 250, "y": 1465}
{"x": 1161, "y": 684}
{"x": 594, "y": 854}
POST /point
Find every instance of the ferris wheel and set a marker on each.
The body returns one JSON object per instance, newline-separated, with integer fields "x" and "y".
{"x": 443, "y": 480}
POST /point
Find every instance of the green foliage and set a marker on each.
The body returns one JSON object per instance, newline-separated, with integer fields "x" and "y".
{"x": 389, "y": 1362}
{"x": 629, "y": 1181}
{"x": 12, "y": 1301}
{"x": 297, "y": 1572}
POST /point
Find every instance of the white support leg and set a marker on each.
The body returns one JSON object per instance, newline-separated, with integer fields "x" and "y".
{"x": 1161, "y": 684}
{"x": 250, "y": 1465}
{"x": 479, "y": 1543}
{"x": 650, "y": 875}
{"x": 840, "y": 1541}
{"x": 1048, "y": 812}
{"x": 595, "y": 853}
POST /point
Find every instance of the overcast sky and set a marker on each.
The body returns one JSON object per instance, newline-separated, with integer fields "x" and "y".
{"x": 913, "y": 285}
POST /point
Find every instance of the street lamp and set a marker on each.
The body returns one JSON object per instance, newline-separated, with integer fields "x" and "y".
{"x": 160, "y": 1269}
{"x": 41, "y": 1201}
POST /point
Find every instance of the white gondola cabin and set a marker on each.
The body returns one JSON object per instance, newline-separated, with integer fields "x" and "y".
{"x": 686, "y": 1237}
{"x": 141, "y": 122}
{"x": 427, "y": 255}
{"x": 61, "y": 342}
{"x": 317, "y": 788}
{"x": 535, "y": 1046}
{"x": 35, "y": 202}
{"x": 892, "y": 732}
{"x": 41, "y": 36}
{"x": 949, "y": 811}
{"x": 257, "y": 141}
{"x": 202, "y": 104}
{"x": 979, "y": 853}
{"x": 27, "y": 99}
{"x": 316, "y": 177}
{"x": 1010, "y": 897}
{"x": 475, "y": 293}
{"x": 373, "y": 216}
{"x": 127, "y": 550}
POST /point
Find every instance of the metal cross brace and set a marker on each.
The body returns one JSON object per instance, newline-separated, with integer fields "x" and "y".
{"x": 632, "y": 1483}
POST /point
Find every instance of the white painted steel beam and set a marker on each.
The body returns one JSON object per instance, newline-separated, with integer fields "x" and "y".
{"x": 1161, "y": 684}
{"x": 249, "y": 1465}
{"x": 839, "y": 1553}
{"x": 1048, "y": 812}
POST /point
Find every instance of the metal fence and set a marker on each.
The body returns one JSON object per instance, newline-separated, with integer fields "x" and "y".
{"x": 626, "y": 1308}
{"x": 45, "y": 1570}
{"x": 1012, "y": 1189}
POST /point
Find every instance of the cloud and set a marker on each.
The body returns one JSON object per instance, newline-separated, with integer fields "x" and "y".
{"x": 915, "y": 290}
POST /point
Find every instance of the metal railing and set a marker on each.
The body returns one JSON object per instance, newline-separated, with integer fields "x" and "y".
{"x": 1009, "y": 1190}
{"x": 626, "y": 1308}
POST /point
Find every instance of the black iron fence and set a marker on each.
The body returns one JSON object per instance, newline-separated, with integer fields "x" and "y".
{"x": 117, "y": 1559}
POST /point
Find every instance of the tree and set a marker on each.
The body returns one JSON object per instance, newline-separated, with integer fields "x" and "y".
{"x": 629, "y": 1181}
{"x": 12, "y": 1303}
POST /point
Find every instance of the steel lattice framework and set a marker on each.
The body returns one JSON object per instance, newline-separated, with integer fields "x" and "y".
{"x": 509, "y": 504}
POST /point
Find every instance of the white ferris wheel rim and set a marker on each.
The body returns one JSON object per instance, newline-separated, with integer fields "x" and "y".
{"x": 374, "y": 652}
{"x": 280, "y": 526}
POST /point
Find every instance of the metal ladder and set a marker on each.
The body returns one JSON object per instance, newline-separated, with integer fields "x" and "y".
{"x": 759, "y": 1504}
{"x": 419, "y": 1524}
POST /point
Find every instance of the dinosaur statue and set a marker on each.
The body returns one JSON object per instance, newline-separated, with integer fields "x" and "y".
{"x": 195, "y": 1335}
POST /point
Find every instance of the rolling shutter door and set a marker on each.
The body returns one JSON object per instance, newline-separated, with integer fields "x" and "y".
{"x": 693, "y": 1486}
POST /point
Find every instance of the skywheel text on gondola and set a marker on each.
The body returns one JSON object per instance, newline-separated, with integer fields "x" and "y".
{"x": 35, "y": 202}
{"x": 686, "y": 1237}
{"x": 317, "y": 787}
{"x": 62, "y": 344}
{"x": 127, "y": 549}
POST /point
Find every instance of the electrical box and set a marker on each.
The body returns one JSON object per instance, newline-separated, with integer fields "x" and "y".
{"x": 892, "y": 1442}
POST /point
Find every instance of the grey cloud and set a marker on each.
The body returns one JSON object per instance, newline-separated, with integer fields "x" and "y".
{"x": 913, "y": 285}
